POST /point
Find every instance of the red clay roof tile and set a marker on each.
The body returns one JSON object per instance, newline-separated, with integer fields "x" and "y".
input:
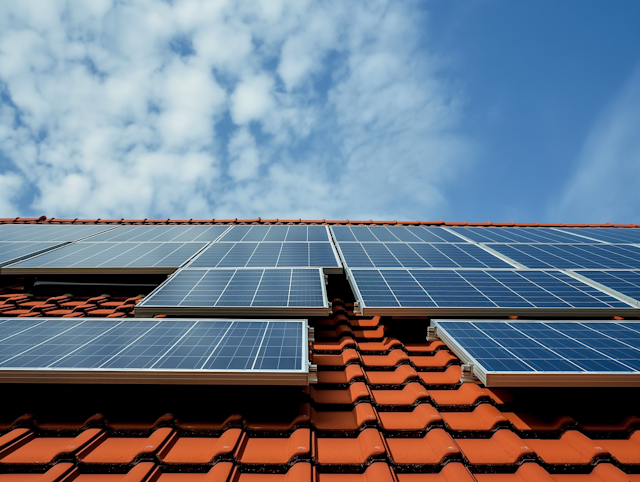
{"x": 348, "y": 396}
{"x": 123, "y": 450}
{"x": 376, "y": 472}
{"x": 532, "y": 472}
{"x": 350, "y": 373}
{"x": 440, "y": 359}
{"x": 503, "y": 448}
{"x": 346, "y": 357}
{"x": 300, "y": 472}
{"x": 349, "y": 451}
{"x": 396, "y": 377}
{"x": 625, "y": 451}
{"x": 466, "y": 394}
{"x": 200, "y": 450}
{"x": 417, "y": 420}
{"x": 347, "y": 421}
{"x": 394, "y": 358}
{"x": 452, "y": 472}
{"x": 431, "y": 449}
{"x": 409, "y": 395}
{"x": 274, "y": 451}
{"x": 42, "y": 450}
{"x": 572, "y": 447}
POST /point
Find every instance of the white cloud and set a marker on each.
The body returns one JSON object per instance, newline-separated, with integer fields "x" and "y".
{"x": 223, "y": 109}
{"x": 604, "y": 187}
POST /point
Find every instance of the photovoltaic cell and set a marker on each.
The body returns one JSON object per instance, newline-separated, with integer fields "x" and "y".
{"x": 276, "y": 233}
{"x": 162, "y": 233}
{"x": 625, "y": 282}
{"x": 609, "y": 235}
{"x": 152, "y": 345}
{"x": 572, "y": 256}
{"x": 110, "y": 255}
{"x": 404, "y": 288}
{"x": 575, "y": 348}
{"x": 418, "y": 255}
{"x": 266, "y": 255}
{"x": 15, "y": 251}
{"x": 49, "y": 232}
{"x": 248, "y": 288}
{"x": 387, "y": 234}
{"x": 519, "y": 235}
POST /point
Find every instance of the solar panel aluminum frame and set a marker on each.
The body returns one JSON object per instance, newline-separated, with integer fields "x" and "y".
{"x": 97, "y": 376}
{"x": 11, "y": 270}
{"x": 240, "y": 311}
{"x": 361, "y": 307}
{"x": 533, "y": 379}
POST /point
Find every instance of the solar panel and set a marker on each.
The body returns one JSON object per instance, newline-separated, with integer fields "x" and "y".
{"x": 276, "y": 233}
{"x": 269, "y": 255}
{"x": 428, "y": 291}
{"x": 211, "y": 292}
{"x": 12, "y": 252}
{"x": 546, "y": 353}
{"x": 572, "y": 256}
{"x": 609, "y": 235}
{"x": 109, "y": 257}
{"x": 519, "y": 235}
{"x": 162, "y": 233}
{"x": 98, "y": 350}
{"x": 50, "y": 232}
{"x": 414, "y": 234}
{"x": 418, "y": 255}
{"x": 625, "y": 282}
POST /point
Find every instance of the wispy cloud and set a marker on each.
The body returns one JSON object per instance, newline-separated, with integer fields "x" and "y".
{"x": 223, "y": 109}
{"x": 604, "y": 187}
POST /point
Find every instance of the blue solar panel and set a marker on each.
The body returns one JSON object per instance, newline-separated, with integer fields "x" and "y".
{"x": 572, "y": 256}
{"x": 609, "y": 235}
{"x": 405, "y": 288}
{"x": 418, "y": 255}
{"x": 625, "y": 282}
{"x": 276, "y": 233}
{"x": 239, "y": 288}
{"x": 537, "y": 347}
{"x": 266, "y": 255}
{"x": 162, "y": 233}
{"x": 385, "y": 234}
{"x": 519, "y": 235}
{"x": 152, "y": 345}
{"x": 49, "y": 232}
{"x": 110, "y": 255}
{"x": 12, "y": 252}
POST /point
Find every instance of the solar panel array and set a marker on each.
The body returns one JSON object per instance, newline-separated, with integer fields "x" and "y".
{"x": 10, "y": 252}
{"x": 232, "y": 291}
{"x": 106, "y": 257}
{"x": 49, "y": 232}
{"x": 162, "y": 233}
{"x": 276, "y": 233}
{"x": 459, "y": 269}
{"x": 562, "y": 353}
{"x": 176, "y": 350}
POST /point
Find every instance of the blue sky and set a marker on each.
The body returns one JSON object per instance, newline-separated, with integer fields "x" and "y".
{"x": 468, "y": 111}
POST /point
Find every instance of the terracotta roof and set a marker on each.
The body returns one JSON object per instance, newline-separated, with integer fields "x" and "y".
{"x": 388, "y": 407}
{"x": 45, "y": 220}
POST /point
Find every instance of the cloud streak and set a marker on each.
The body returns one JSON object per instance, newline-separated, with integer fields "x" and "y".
{"x": 604, "y": 186}
{"x": 223, "y": 109}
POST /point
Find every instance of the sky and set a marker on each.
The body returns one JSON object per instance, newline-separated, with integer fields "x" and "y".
{"x": 471, "y": 111}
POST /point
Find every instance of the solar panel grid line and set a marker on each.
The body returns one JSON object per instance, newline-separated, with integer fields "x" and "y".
{"x": 575, "y": 233}
{"x": 599, "y": 363}
{"x": 23, "y": 250}
{"x": 50, "y": 233}
{"x": 542, "y": 345}
{"x": 106, "y": 362}
{"x": 607, "y": 235}
{"x": 278, "y": 358}
{"x": 160, "y": 233}
{"x": 503, "y": 257}
{"x": 462, "y": 291}
{"x": 610, "y": 291}
{"x": 519, "y": 235}
{"x": 34, "y": 346}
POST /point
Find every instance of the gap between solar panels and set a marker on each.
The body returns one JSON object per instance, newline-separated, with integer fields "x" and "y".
{"x": 537, "y": 353}
{"x": 171, "y": 351}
